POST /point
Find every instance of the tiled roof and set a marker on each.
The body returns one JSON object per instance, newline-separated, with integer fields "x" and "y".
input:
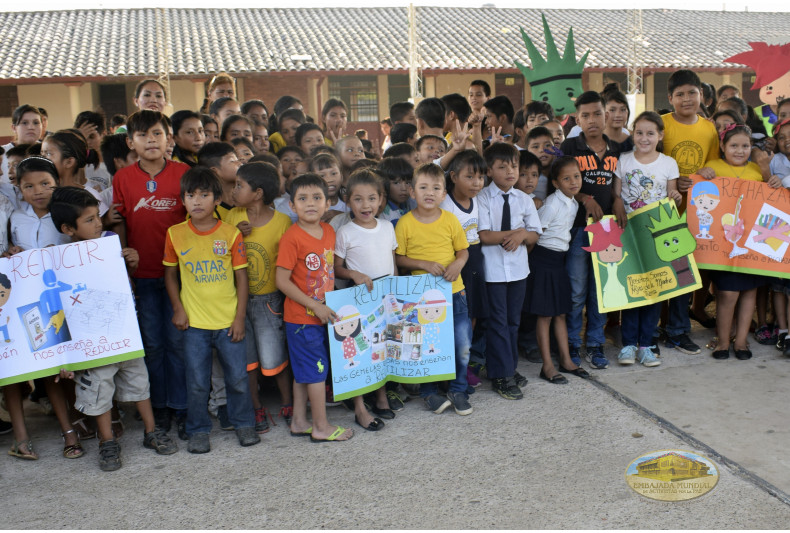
{"x": 110, "y": 42}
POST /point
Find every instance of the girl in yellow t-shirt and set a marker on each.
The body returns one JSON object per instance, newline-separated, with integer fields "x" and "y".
{"x": 257, "y": 185}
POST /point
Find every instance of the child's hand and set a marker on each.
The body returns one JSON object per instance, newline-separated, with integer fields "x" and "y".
{"x": 706, "y": 172}
{"x": 131, "y": 257}
{"x": 245, "y": 228}
{"x": 13, "y": 250}
{"x": 113, "y": 216}
{"x": 774, "y": 182}
{"x": 460, "y": 136}
{"x": 496, "y": 135}
{"x": 760, "y": 157}
{"x": 770, "y": 144}
{"x": 87, "y": 129}
{"x": 323, "y": 313}
{"x": 452, "y": 271}
{"x": 514, "y": 239}
{"x": 180, "y": 320}
{"x": 684, "y": 182}
{"x": 361, "y": 279}
{"x": 432, "y": 267}
{"x": 593, "y": 209}
{"x": 237, "y": 330}
{"x": 475, "y": 120}
{"x": 64, "y": 374}
{"x": 675, "y": 195}
{"x": 618, "y": 210}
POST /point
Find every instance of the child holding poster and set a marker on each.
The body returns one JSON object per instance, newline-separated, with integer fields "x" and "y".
{"x": 648, "y": 176}
{"x": 364, "y": 251}
{"x": 780, "y": 172}
{"x": 734, "y": 287}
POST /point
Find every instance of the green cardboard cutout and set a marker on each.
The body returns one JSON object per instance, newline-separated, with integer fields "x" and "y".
{"x": 556, "y": 80}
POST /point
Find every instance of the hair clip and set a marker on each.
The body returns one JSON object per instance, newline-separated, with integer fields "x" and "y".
{"x": 727, "y": 128}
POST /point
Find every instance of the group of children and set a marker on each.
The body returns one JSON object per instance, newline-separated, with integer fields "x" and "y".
{"x": 235, "y": 223}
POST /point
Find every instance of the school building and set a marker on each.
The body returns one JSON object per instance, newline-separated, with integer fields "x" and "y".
{"x": 69, "y": 61}
{"x": 672, "y": 467}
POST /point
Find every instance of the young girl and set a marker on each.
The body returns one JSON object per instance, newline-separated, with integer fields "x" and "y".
{"x": 287, "y": 123}
{"x": 91, "y": 125}
{"x": 467, "y": 173}
{"x": 326, "y": 166}
{"x": 364, "y": 251}
{"x": 555, "y": 127}
{"x": 189, "y": 136}
{"x": 334, "y": 115}
{"x": 221, "y": 86}
{"x": 256, "y": 111}
{"x": 236, "y": 126}
{"x": 150, "y": 94}
{"x": 32, "y": 227}
{"x": 257, "y": 185}
{"x": 27, "y": 128}
{"x": 349, "y": 150}
{"x": 548, "y": 285}
{"x": 722, "y": 119}
{"x": 223, "y": 108}
{"x": 734, "y": 287}
{"x": 210, "y": 129}
{"x": 260, "y": 137}
{"x": 308, "y": 136}
{"x": 647, "y": 176}
{"x": 243, "y": 148}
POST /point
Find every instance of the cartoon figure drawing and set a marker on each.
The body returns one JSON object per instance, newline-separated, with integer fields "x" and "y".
{"x": 733, "y": 227}
{"x": 556, "y": 80}
{"x": 5, "y": 294}
{"x": 771, "y": 63}
{"x": 674, "y": 242}
{"x": 347, "y": 327}
{"x": 608, "y": 251}
{"x": 50, "y": 300}
{"x": 431, "y": 311}
{"x": 705, "y": 196}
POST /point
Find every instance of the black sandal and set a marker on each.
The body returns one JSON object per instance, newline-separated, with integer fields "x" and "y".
{"x": 743, "y": 355}
{"x": 721, "y": 354}
{"x": 375, "y": 425}
{"x": 556, "y": 379}
{"x": 579, "y": 372}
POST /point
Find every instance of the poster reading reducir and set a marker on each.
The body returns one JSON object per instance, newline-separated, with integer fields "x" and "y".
{"x": 67, "y": 306}
{"x": 400, "y": 331}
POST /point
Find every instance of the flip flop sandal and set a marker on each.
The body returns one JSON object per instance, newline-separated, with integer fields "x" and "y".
{"x": 29, "y": 454}
{"x": 333, "y": 437}
{"x": 72, "y": 451}
{"x": 375, "y": 425}
{"x": 82, "y": 429}
{"x": 307, "y": 433}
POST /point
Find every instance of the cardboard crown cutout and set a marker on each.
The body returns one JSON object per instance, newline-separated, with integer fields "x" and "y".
{"x": 555, "y": 79}
{"x": 771, "y": 64}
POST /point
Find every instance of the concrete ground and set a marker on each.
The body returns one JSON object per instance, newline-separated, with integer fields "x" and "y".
{"x": 555, "y": 460}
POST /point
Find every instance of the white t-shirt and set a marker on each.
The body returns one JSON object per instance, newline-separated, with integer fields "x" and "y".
{"x": 283, "y": 205}
{"x": 98, "y": 178}
{"x": 644, "y": 184}
{"x": 367, "y": 250}
{"x": 467, "y": 217}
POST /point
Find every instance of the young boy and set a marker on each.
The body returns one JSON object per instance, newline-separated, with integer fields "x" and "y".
{"x": 529, "y": 176}
{"x": 431, "y": 148}
{"x": 508, "y": 224}
{"x": 538, "y": 112}
{"x": 541, "y": 144}
{"x": 431, "y": 240}
{"x": 599, "y": 195}
{"x": 75, "y": 212}
{"x": 691, "y": 141}
{"x": 499, "y": 117}
{"x": 147, "y": 195}
{"x": 305, "y": 272}
{"x": 478, "y": 94}
{"x": 403, "y": 133}
{"x": 222, "y": 160}
{"x": 430, "y": 117}
{"x": 210, "y": 308}
{"x": 403, "y": 112}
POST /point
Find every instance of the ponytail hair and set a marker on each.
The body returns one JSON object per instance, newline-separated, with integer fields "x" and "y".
{"x": 72, "y": 144}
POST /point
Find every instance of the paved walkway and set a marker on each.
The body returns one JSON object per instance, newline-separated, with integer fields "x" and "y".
{"x": 555, "y": 460}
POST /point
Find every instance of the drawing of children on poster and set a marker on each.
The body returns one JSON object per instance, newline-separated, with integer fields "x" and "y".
{"x": 607, "y": 249}
{"x": 5, "y": 294}
{"x": 705, "y": 196}
{"x": 431, "y": 311}
{"x": 347, "y": 327}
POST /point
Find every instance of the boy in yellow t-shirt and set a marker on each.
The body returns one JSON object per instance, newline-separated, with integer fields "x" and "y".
{"x": 210, "y": 309}
{"x": 432, "y": 241}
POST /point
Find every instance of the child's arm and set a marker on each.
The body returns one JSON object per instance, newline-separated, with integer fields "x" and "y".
{"x": 590, "y": 206}
{"x": 354, "y": 275}
{"x": 238, "y": 328}
{"x": 290, "y": 290}
{"x": 411, "y": 264}
{"x": 453, "y": 270}
{"x": 618, "y": 207}
{"x": 763, "y": 160}
{"x": 131, "y": 258}
{"x": 245, "y": 228}
{"x": 672, "y": 191}
{"x": 477, "y": 132}
{"x": 706, "y": 172}
{"x": 180, "y": 320}
{"x": 460, "y": 136}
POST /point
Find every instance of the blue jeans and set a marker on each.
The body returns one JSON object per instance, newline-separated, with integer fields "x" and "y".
{"x": 233, "y": 358}
{"x": 638, "y": 325}
{"x": 579, "y": 267}
{"x": 506, "y": 300}
{"x": 678, "y": 321}
{"x": 463, "y": 340}
{"x": 163, "y": 343}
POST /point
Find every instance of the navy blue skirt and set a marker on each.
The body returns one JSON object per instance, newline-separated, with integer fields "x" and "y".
{"x": 736, "y": 281}
{"x": 474, "y": 277}
{"x": 548, "y": 284}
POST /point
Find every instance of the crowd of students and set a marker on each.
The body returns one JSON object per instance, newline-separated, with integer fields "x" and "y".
{"x": 236, "y": 220}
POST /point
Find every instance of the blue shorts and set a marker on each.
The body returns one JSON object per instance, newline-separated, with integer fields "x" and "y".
{"x": 308, "y": 347}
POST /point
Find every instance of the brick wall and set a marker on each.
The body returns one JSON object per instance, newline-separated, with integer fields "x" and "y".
{"x": 270, "y": 87}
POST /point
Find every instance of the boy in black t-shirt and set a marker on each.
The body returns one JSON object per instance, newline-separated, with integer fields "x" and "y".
{"x": 599, "y": 196}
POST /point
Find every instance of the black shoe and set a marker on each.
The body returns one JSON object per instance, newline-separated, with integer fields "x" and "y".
{"x": 199, "y": 443}
{"x": 579, "y": 372}
{"x": 386, "y": 414}
{"x": 520, "y": 380}
{"x": 109, "y": 455}
{"x": 162, "y": 418}
{"x": 721, "y": 354}
{"x": 654, "y": 348}
{"x": 158, "y": 440}
{"x": 707, "y": 322}
{"x": 786, "y": 346}
{"x": 506, "y": 389}
{"x": 222, "y": 416}
{"x": 743, "y": 355}
{"x": 5, "y": 427}
{"x": 181, "y": 426}
{"x": 683, "y": 343}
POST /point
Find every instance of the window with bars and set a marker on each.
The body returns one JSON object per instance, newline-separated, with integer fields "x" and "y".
{"x": 359, "y": 93}
{"x": 9, "y": 100}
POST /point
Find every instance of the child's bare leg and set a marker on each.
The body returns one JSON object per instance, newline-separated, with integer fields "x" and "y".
{"x": 780, "y": 309}
{"x": 363, "y": 417}
{"x": 299, "y": 422}
{"x": 561, "y": 334}
{"x": 321, "y": 427}
{"x": 256, "y": 398}
{"x": 725, "y": 307}
{"x": 284, "y": 380}
{"x": 58, "y": 400}
{"x": 381, "y": 398}
{"x": 147, "y": 414}
{"x": 745, "y": 312}
{"x": 542, "y": 334}
{"x": 761, "y": 298}
{"x": 13, "y": 404}
{"x": 104, "y": 424}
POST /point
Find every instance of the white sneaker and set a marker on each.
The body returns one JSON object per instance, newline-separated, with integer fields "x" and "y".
{"x": 627, "y": 355}
{"x": 647, "y": 357}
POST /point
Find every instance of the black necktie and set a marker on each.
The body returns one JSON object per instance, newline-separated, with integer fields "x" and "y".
{"x": 505, "y": 213}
